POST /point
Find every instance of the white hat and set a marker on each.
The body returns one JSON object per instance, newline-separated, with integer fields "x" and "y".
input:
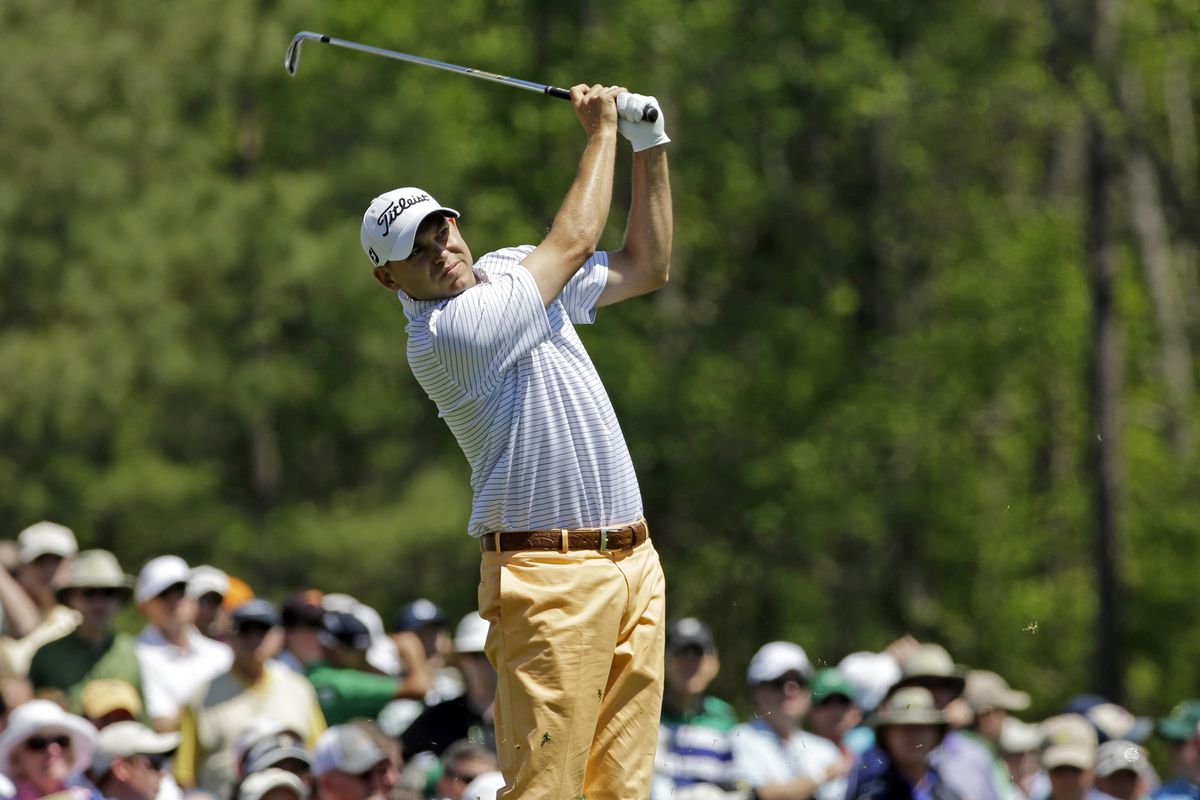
{"x": 45, "y": 538}
{"x": 485, "y": 786}
{"x": 159, "y": 574}
{"x": 205, "y": 579}
{"x": 1119, "y": 754}
{"x": 1019, "y": 737}
{"x": 45, "y": 717}
{"x": 390, "y": 224}
{"x": 345, "y": 748}
{"x": 471, "y": 634}
{"x": 124, "y": 739}
{"x": 1069, "y": 740}
{"x": 258, "y": 784}
{"x": 872, "y": 675}
{"x": 775, "y": 659}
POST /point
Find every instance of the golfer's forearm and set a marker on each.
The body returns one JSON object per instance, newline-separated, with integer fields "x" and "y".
{"x": 651, "y": 221}
{"x": 580, "y": 220}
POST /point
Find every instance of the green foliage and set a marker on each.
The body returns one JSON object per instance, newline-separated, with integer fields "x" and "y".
{"x": 860, "y": 408}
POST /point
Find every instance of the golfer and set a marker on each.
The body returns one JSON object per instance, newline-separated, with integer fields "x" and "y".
{"x": 569, "y": 580}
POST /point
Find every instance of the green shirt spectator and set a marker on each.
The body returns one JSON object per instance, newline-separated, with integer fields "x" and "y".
{"x": 95, "y": 587}
{"x": 345, "y": 694}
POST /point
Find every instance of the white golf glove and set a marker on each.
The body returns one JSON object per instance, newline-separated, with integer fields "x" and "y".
{"x": 641, "y": 134}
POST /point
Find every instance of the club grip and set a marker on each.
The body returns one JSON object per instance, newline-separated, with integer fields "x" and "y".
{"x": 649, "y": 114}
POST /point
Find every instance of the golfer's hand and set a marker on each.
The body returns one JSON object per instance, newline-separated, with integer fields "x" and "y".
{"x": 641, "y": 134}
{"x": 596, "y": 106}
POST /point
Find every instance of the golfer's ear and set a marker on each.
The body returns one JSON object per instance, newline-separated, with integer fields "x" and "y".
{"x": 386, "y": 280}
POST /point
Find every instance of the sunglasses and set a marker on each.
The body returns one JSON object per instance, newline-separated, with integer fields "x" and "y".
{"x": 783, "y": 680}
{"x": 455, "y": 775}
{"x": 156, "y": 761}
{"x": 100, "y": 593}
{"x": 40, "y": 743}
{"x": 252, "y": 629}
{"x": 174, "y": 591}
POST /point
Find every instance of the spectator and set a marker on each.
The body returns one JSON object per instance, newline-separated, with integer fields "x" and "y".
{"x": 1069, "y": 757}
{"x": 44, "y": 749}
{"x": 1110, "y": 720}
{"x": 693, "y": 736}
{"x": 32, "y": 615}
{"x": 872, "y": 675}
{"x": 1123, "y": 770}
{"x": 383, "y": 655}
{"x": 834, "y": 713}
{"x": 175, "y": 658}
{"x": 991, "y": 699}
{"x": 348, "y": 765}
{"x": 253, "y": 688}
{"x": 390, "y": 747}
{"x": 429, "y": 623}
{"x": 773, "y": 754}
{"x": 1183, "y": 750}
{"x": 208, "y": 587}
{"x": 468, "y": 716}
{"x": 346, "y": 688}
{"x": 1019, "y": 746}
{"x": 461, "y": 764}
{"x": 963, "y": 761}
{"x": 130, "y": 761}
{"x": 302, "y": 616}
{"x": 96, "y": 587}
{"x": 106, "y": 701}
{"x": 908, "y": 728}
{"x": 272, "y": 784}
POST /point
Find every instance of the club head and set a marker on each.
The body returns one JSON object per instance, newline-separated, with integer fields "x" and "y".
{"x": 291, "y": 59}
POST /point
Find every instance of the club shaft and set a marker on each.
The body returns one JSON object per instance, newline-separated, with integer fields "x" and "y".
{"x": 293, "y": 57}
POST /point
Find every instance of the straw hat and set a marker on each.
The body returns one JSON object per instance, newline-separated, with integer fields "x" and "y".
{"x": 44, "y": 717}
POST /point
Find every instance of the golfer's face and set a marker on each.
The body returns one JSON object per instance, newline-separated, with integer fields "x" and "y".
{"x": 440, "y": 263}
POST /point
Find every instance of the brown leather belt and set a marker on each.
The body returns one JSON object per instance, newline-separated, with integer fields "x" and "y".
{"x": 621, "y": 537}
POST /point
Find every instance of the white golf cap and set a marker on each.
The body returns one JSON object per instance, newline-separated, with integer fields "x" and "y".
{"x": 255, "y": 786}
{"x": 345, "y": 748}
{"x": 776, "y": 659}
{"x": 471, "y": 634}
{"x": 205, "y": 580}
{"x": 484, "y": 787}
{"x": 390, "y": 223}
{"x": 124, "y": 739}
{"x": 159, "y": 574}
{"x": 45, "y": 538}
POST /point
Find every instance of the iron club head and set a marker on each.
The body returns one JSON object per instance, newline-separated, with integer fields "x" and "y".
{"x": 291, "y": 59}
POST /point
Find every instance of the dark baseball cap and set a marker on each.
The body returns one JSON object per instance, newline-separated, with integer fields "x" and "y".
{"x": 343, "y": 629}
{"x": 302, "y": 608}
{"x": 418, "y": 614}
{"x": 254, "y": 611}
{"x": 689, "y": 632}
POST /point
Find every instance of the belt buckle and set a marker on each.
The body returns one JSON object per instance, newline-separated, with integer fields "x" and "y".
{"x": 604, "y": 541}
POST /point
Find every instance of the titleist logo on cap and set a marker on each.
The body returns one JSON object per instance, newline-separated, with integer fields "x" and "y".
{"x": 396, "y": 208}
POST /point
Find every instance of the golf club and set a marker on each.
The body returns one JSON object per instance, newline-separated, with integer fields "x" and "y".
{"x": 292, "y": 60}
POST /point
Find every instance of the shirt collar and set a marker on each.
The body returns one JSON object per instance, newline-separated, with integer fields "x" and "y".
{"x": 414, "y": 309}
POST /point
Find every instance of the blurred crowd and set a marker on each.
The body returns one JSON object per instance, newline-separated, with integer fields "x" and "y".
{"x": 224, "y": 695}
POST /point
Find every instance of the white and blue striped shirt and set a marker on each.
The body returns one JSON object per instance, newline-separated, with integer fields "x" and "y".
{"x": 520, "y": 394}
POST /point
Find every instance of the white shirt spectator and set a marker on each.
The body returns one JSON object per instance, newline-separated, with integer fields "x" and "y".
{"x": 760, "y": 758}
{"x": 171, "y": 675}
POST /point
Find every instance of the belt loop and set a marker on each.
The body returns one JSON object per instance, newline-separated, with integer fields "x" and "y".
{"x": 498, "y": 535}
{"x": 604, "y": 540}
{"x": 566, "y": 547}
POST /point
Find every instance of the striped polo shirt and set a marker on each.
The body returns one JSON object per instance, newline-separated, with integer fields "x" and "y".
{"x": 520, "y": 394}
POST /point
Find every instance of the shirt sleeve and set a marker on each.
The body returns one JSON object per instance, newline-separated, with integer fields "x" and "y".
{"x": 582, "y": 292}
{"x": 187, "y": 756}
{"x": 481, "y": 333}
{"x": 346, "y": 693}
{"x": 159, "y": 703}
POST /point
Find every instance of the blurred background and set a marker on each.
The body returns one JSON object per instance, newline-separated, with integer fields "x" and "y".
{"x": 925, "y": 364}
